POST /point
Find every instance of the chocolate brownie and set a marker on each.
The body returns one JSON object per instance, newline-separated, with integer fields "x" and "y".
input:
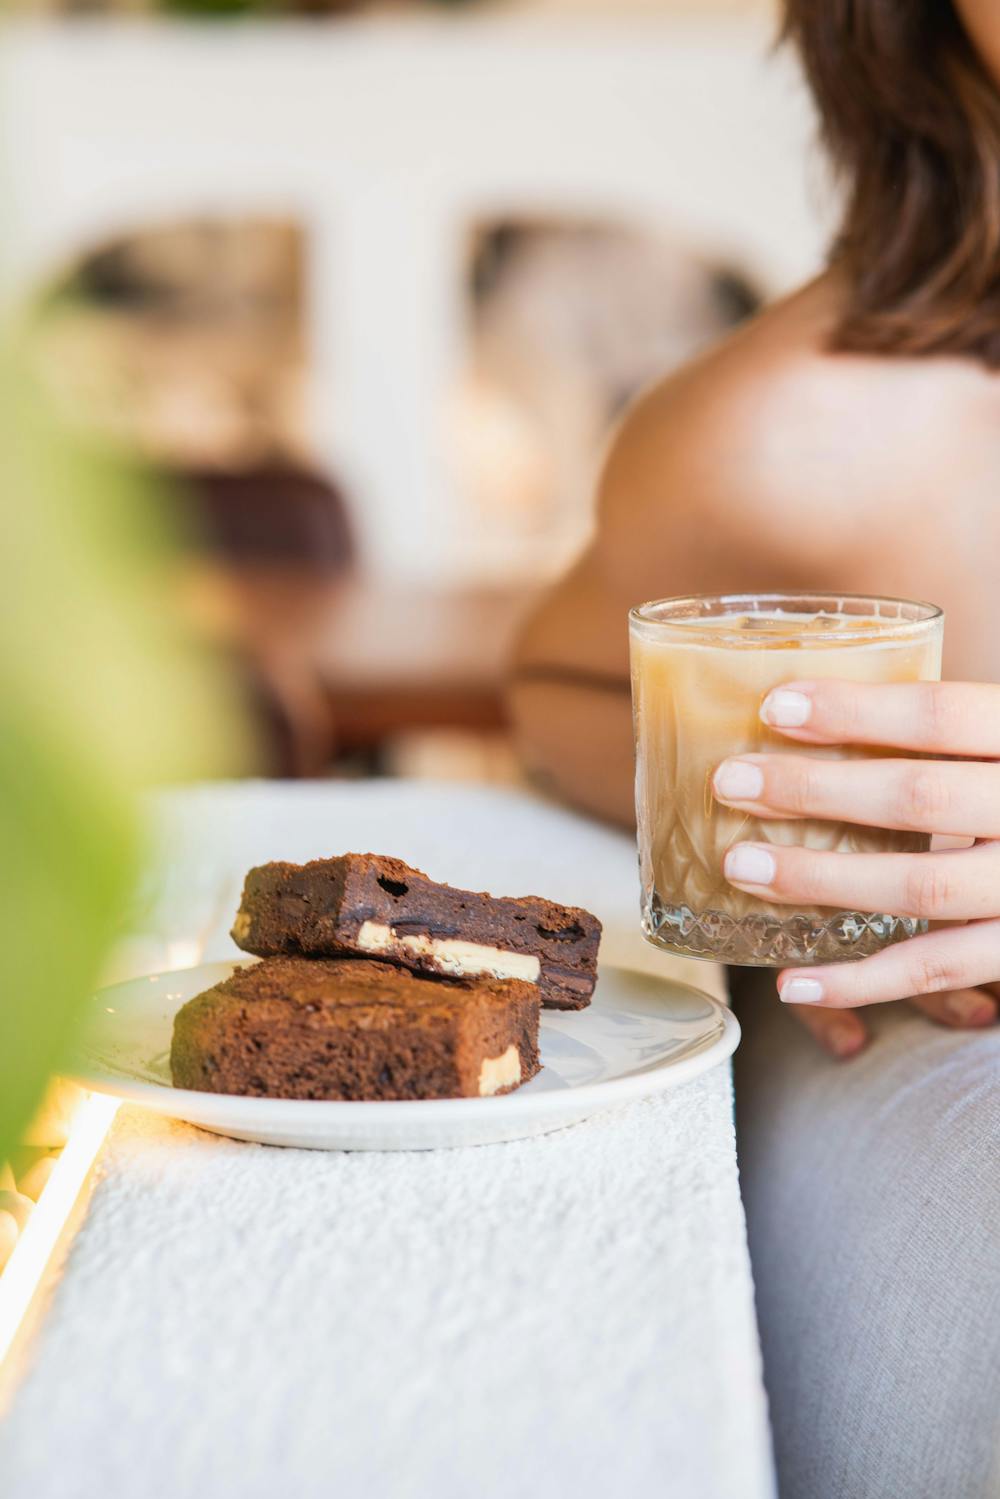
{"x": 373, "y": 906}
{"x": 350, "y": 1029}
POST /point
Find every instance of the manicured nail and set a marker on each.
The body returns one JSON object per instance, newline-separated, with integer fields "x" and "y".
{"x": 786, "y": 710}
{"x": 737, "y": 781}
{"x": 746, "y": 864}
{"x": 801, "y": 992}
{"x": 970, "y": 1009}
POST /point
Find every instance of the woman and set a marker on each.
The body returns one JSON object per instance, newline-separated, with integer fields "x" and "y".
{"x": 847, "y": 440}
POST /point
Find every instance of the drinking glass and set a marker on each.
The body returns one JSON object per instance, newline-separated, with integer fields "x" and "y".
{"x": 701, "y": 667}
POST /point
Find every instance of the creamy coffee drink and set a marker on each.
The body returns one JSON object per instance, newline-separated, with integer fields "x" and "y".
{"x": 700, "y": 671}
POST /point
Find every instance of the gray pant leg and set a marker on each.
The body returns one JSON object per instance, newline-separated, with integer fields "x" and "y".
{"x": 872, "y": 1190}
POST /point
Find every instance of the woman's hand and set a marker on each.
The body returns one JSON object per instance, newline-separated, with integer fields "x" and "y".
{"x": 952, "y": 973}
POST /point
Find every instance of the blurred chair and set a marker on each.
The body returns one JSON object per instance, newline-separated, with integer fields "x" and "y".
{"x": 273, "y": 552}
{"x": 272, "y": 516}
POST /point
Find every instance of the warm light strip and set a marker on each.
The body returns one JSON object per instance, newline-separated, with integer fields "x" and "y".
{"x": 34, "y": 1248}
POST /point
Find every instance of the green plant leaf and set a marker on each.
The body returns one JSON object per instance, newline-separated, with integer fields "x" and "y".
{"x": 100, "y": 694}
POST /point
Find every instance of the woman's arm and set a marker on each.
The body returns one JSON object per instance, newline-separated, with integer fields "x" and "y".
{"x": 570, "y": 698}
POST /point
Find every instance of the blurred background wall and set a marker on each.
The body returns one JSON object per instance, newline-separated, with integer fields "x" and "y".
{"x": 370, "y": 286}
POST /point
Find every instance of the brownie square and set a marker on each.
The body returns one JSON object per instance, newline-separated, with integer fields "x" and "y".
{"x": 348, "y": 1029}
{"x": 373, "y": 906}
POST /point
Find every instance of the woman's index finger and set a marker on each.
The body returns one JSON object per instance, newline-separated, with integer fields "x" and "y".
{"x": 947, "y": 718}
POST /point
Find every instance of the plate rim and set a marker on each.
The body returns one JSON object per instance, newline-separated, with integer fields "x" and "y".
{"x": 590, "y": 1096}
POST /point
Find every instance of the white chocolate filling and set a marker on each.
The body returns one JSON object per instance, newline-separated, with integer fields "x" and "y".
{"x": 500, "y": 1072}
{"x": 449, "y": 955}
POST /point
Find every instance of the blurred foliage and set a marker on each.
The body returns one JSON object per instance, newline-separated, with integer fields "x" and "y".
{"x": 222, "y": 8}
{"x": 217, "y": 8}
{"x": 100, "y": 694}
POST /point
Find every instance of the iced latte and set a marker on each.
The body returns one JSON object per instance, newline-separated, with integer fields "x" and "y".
{"x": 700, "y": 669}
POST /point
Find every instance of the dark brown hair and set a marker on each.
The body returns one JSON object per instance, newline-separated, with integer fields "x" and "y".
{"x": 912, "y": 122}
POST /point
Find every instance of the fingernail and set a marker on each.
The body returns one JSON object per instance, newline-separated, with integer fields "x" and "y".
{"x": 970, "y": 1009}
{"x": 737, "y": 781}
{"x": 786, "y": 710}
{"x": 801, "y": 992}
{"x": 746, "y": 864}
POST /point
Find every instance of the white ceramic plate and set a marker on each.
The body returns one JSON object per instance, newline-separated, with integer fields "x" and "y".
{"x": 639, "y": 1036}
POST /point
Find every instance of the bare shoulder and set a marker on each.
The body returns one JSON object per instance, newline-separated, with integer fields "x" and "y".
{"x": 733, "y": 388}
{"x": 769, "y": 442}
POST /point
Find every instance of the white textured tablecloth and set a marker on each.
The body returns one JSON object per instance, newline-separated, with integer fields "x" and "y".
{"x": 566, "y": 1316}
